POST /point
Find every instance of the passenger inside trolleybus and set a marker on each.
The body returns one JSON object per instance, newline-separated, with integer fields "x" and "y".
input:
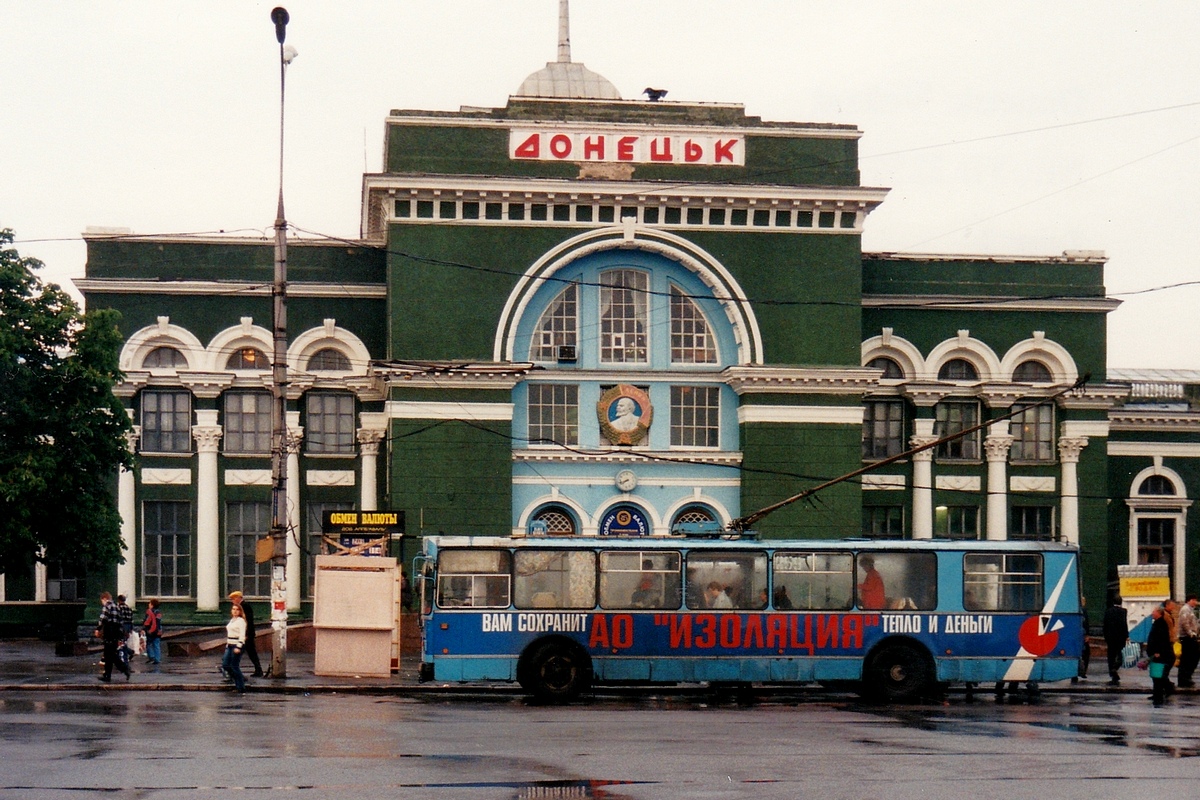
{"x": 871, "y": 594}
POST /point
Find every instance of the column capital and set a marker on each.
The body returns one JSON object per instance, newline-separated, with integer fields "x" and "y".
{"x": 1069, "y": 448}
{"x": 293, "y": 440}
{"x": 208, "y": 437}
{"x": 920, "y": 441}
{"x": 369, "y": 440}
{"x": 997, "y": 445}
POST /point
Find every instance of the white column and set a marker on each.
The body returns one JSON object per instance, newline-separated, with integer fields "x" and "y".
{"x": 127, "y": 508}
{"x": 922, "y": 514}
{"x": 368, "y": 445}
{"x": 1069, "y": 448}
{"x": 996, "y": 446}
{"x": 294, "y": 574}
{"x": 208, "y": 514}
{"x": 39, "y": 579}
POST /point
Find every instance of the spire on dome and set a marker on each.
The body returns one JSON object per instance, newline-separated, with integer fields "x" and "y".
{"x": 565, "y": 79}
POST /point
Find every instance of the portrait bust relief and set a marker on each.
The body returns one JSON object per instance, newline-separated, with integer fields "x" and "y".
{"x": 624, "y": 413}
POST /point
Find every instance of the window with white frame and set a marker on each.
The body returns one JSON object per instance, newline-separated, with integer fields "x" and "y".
{"x": 891, "y": 369}
{"x": 624, "y": 317}
{"x": 166, "y": 421}
{"x": 1032, "y": 372}
{"x": 958, "y": 369}
{"x": 691, "y": 340}
{"x": 954, "y": 416}
{"x": 245, "y": 523}
{"x": 558, "y": 327}
{"x": 883, "y": 429}
{"x": 553, "y": 521}
{"x": 329, "y": 423}
{"x": 247, "y": 422}
{"x": 695, "y": 416}
{"x": 553, "y": 414}
{"x": 1033, "y": 433}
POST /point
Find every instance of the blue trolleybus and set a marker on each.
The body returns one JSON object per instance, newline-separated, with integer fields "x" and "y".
{"x": 558, "y": 615}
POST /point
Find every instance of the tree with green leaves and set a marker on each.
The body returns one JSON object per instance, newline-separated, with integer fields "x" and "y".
{"x": 63, "y": 433}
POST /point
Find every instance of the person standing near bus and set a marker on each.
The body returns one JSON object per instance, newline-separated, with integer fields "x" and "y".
{"x": 1188, "y": 628}
{"x": 1116, "y": 634}
{"x": 871, "y": 594}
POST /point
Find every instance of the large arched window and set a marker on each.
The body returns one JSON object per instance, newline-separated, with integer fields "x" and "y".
{"x": 691, "y": 340}
{"x": 624, "y": 317}
{"x": 891, "y": 370}
{"x": 1032, "y": 372}
{"x": 557, "y": 332}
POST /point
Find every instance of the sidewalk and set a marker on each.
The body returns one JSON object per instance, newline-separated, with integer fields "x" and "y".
{"x": 31, "y": 665}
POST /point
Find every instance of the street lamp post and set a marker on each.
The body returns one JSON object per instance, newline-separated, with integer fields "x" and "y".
{"x": 279, "y": 435}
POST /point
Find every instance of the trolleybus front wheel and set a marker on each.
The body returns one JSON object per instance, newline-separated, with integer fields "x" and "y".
{"x": 899, "y": 672}
{"x": 555, "y": 672}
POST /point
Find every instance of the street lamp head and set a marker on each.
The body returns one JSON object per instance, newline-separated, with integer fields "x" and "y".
{"x": 279, "y": 16}
{"x": 289, "y": 54}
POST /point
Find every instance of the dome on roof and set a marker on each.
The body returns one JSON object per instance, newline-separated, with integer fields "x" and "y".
{"x": 568, "y": 80}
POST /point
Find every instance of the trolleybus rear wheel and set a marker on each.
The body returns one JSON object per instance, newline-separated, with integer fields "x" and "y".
{"x": 899, "y": 672}
{"x": 556, "y": 672}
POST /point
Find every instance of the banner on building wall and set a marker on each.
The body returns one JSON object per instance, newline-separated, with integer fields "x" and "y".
{"x": 624, "y": 147}
{"x": 361, "y": 532}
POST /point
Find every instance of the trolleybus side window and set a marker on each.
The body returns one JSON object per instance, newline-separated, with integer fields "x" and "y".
{"x": 727, "y": 580}
{"x": 813, "y": 581}
{"x": 1002, "y": 581}
{"x": 554, "y": 579}
{"x": 474, "y": 578}
{"x": 639, "y": 579}
{"x": 893, "y": 581}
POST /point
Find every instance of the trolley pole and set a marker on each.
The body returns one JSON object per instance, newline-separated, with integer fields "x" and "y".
{"x": 279, "y": 434}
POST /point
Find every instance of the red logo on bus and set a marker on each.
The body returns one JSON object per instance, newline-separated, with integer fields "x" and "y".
{"x": 1035, "y": 638}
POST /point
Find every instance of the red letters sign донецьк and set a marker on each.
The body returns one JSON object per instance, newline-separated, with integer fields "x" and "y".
{"x": 618, "y": 147}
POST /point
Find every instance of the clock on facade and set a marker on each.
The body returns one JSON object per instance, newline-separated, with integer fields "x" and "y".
{"x": 626, "y": 480}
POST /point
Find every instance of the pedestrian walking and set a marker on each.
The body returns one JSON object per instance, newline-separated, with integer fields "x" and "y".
{"x": 251, "y": 648}
{"x": 235, "y": 640}
{"x": 108, "y": 630}
{"x": 125, "y": 613}
{"x": 1188, "y": 628}
{"x": 152, "y": 628}
{"x": 1162, "y": 654}
{"x": 1116, "y": 634}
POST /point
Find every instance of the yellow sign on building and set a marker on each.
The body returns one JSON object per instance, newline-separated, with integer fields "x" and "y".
{"x": 1146, "y": 586}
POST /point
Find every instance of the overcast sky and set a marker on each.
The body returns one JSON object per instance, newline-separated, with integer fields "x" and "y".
{"x": 1001, "y": 128}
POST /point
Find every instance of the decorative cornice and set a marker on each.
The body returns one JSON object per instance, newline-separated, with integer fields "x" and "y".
{"x": 451, "y": 374}
{"x": 800, "y": 380}
{"x": 1152, "y": 449}
{"x": 329, "y": 477}
{"x": 945, "y": 302}
{"x": 626, "y": 456}
{"x": 367, "y": 291}
{"x": 1145, "y": 420}
{"x": 958, "y": 483}
{"x": 1101, "y": 396}
{"x": 162, "y": 476}
{"x": 247, "y": 477}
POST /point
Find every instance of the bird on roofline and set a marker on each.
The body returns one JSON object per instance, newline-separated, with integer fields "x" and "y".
{"x": 654, "y": 94}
